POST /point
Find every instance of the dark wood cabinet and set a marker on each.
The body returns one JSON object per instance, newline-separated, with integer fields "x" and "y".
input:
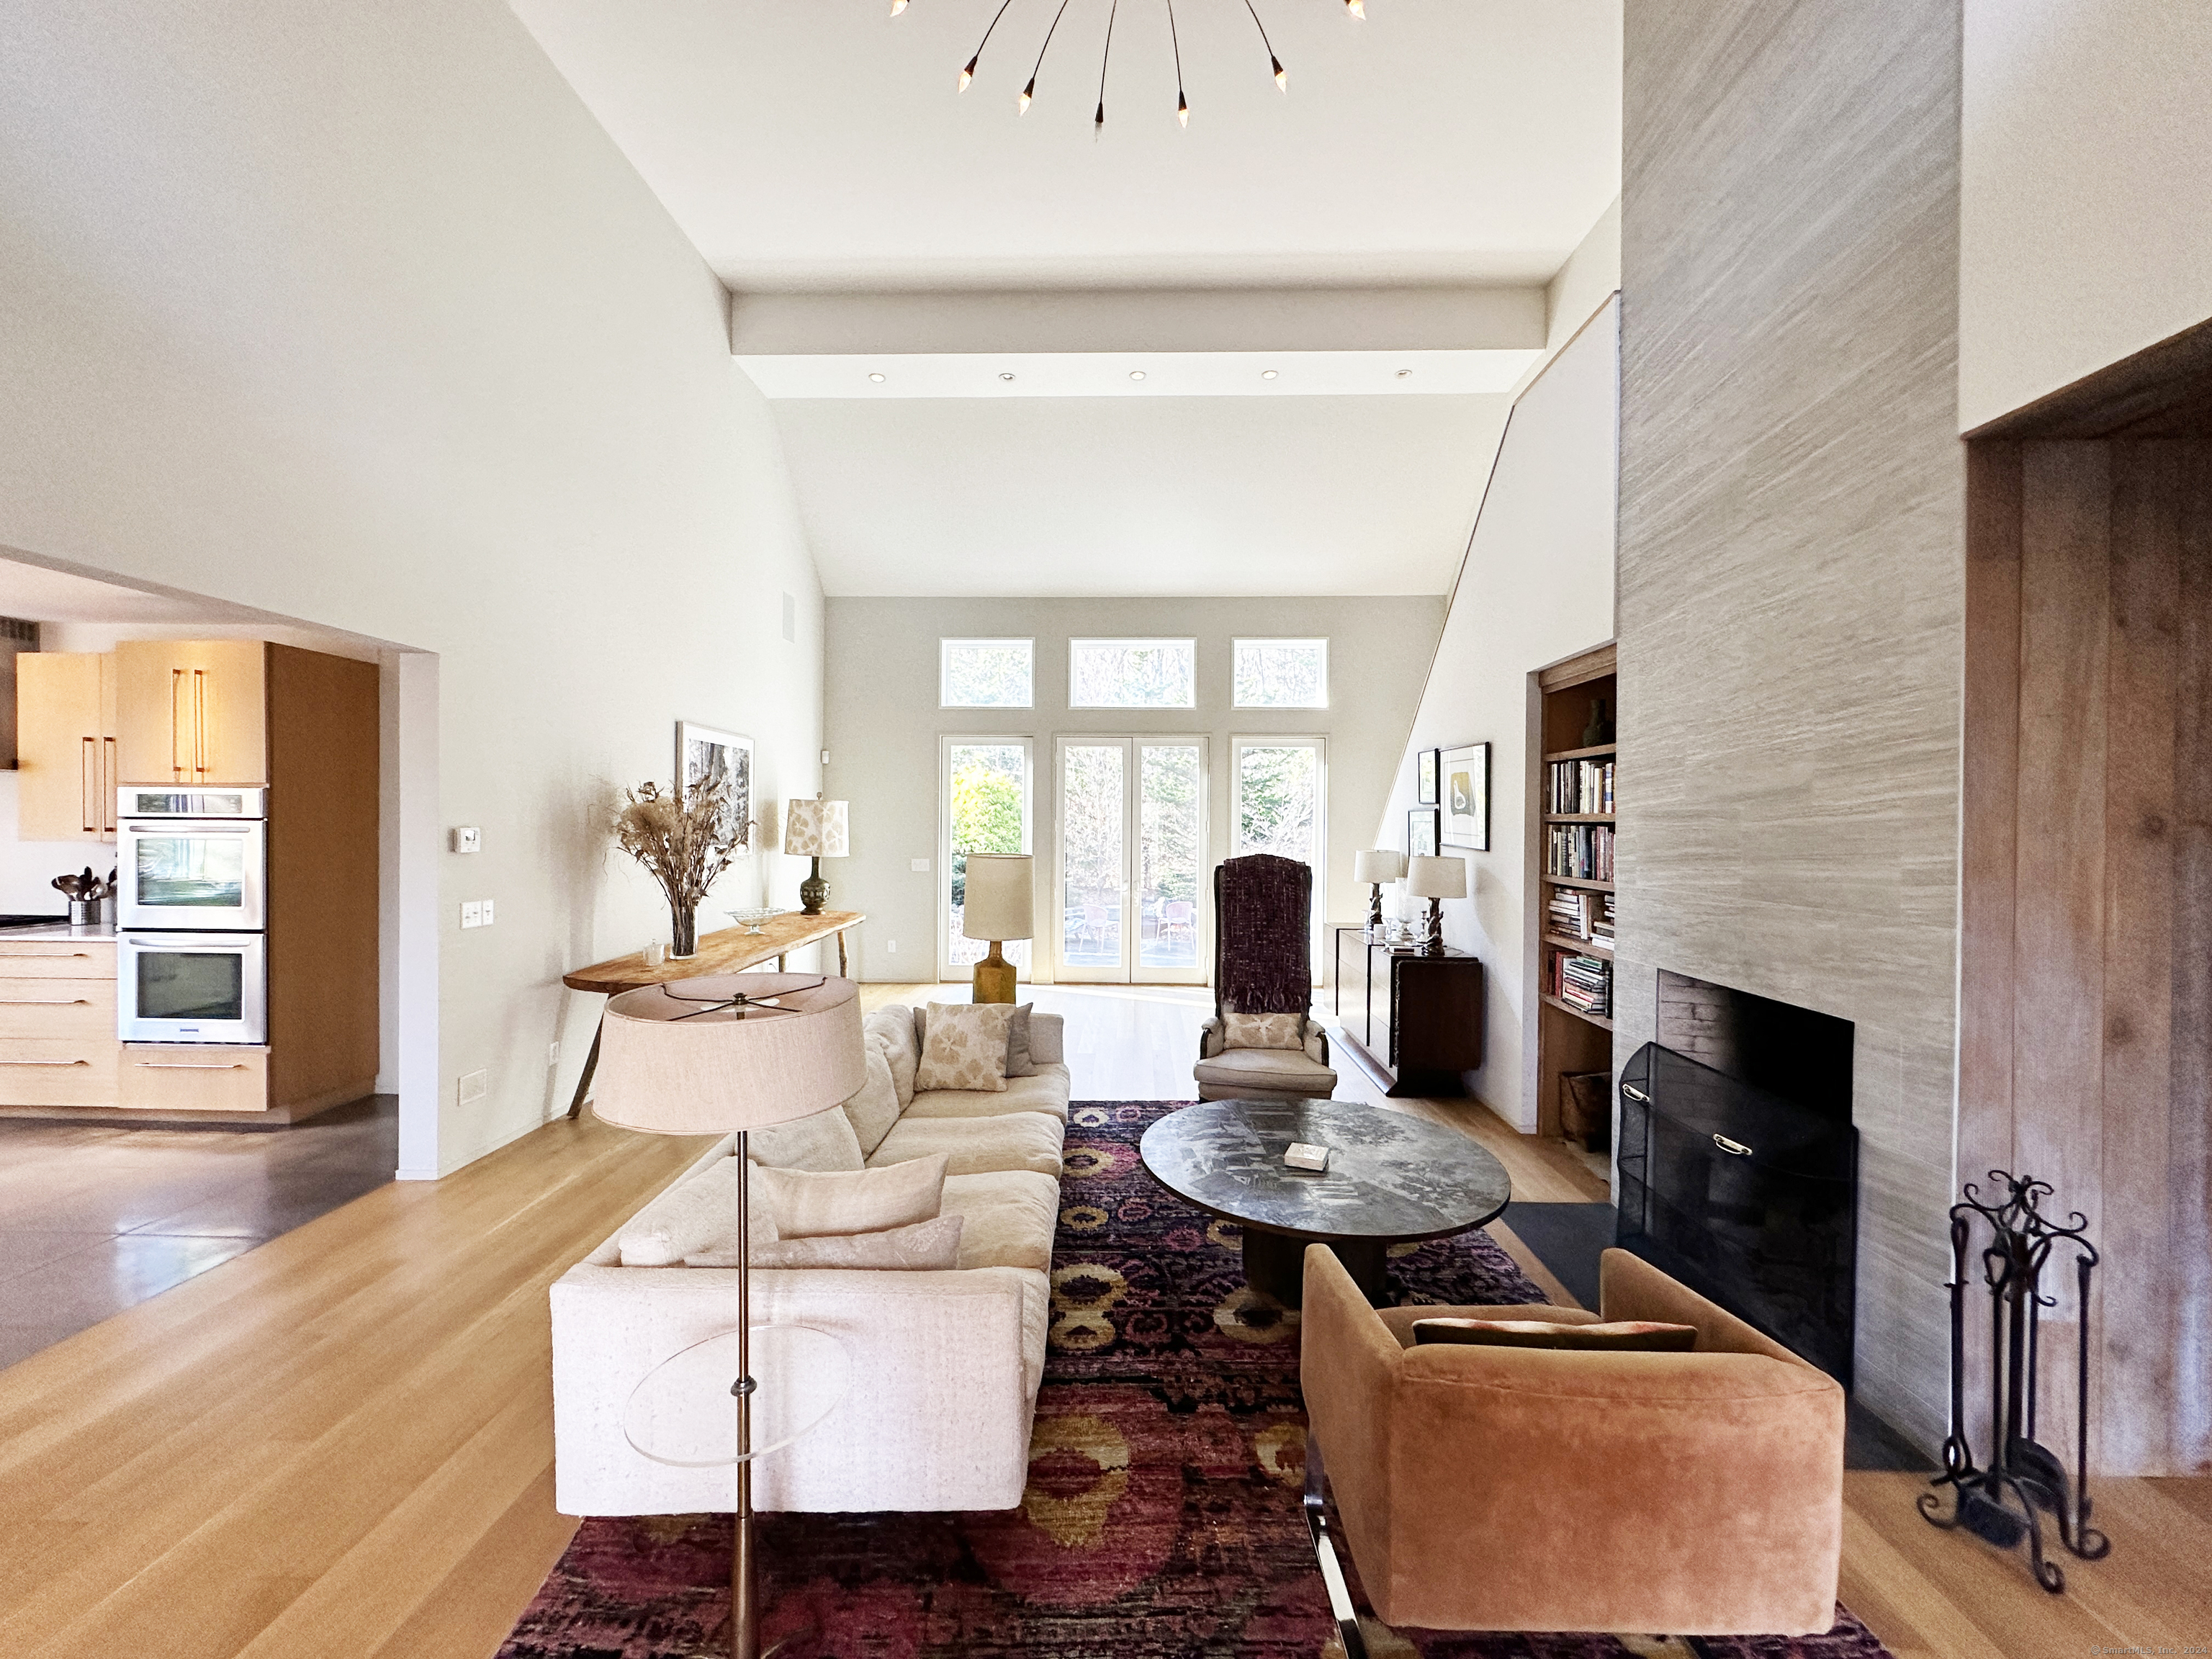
{"x": 1413, "y": 1020}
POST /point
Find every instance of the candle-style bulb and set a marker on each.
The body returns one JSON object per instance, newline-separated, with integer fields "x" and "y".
{"x": 1357, "y": 7}
{"x": 1022, "y": 104}
{"x": 1182, "y": 109}
{"x": 1282, "y": 75}
{"x": 968, "y": 73}
{"x": 897, "y": 6}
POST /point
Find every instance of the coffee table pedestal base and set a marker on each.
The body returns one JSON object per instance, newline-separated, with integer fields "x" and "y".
{"x": 1275, "y": 1265}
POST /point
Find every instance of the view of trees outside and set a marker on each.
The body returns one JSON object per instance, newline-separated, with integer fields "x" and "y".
{"x": 1132, "y": 674}
{"x": 1090, "y": 830}
{"x": 986, "y": 674}
{"x": 990, "y": 786}
{"x": 1170, "y": 854}
{"x": 1275, "y": 800}
{"x": 1282, "y": 673}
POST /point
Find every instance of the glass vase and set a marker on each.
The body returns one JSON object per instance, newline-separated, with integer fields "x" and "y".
{"x": 683, "y": 930}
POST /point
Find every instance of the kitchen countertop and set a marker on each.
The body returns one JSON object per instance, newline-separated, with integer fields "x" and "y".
{"x": 60, "y": 930}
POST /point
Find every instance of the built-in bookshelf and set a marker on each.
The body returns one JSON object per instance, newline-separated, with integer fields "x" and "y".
{"x": 1575, "y": 785}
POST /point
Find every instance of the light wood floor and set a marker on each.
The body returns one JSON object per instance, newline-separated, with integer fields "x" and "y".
{"x": 339, "y": 1445}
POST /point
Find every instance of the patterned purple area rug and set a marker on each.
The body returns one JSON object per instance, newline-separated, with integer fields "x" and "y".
{"x": 1162, "y": 1517}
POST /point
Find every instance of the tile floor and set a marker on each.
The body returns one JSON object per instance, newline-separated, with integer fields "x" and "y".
{"x": 95, "y": 1218}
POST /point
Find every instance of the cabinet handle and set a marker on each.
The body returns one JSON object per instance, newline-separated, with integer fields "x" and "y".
{"x": 176, "y": 722}
{"x": 45, "y": 1062}
{"x": 199, "y": 725}
{"x": 87, "y": 784}
{"x": 46, "y": 956}
{"x": 44, "y": 1002}
{"x": 107, "y": 785}
{"x": 187, "y": 1065}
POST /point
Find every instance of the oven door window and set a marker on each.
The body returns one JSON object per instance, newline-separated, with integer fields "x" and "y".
{"x": 194, "y": 985}
{"x": 205, "y": 873}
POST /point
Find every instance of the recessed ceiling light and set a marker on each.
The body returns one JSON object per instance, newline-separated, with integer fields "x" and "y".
{"x": 878, "y": 378}
{"x": 1404, "y": 373}
{"x": 1005, "y": 377}
{"x": 1266, "y": 374}
{"x": 1136, "y": 373}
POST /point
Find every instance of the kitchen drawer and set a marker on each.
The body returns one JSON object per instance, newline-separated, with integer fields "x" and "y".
{"x": 57, "y": 958}
{"x": 195, "y": 1077}
{"x": 58, "y": 1070}
{"x": 81, "y": 1008}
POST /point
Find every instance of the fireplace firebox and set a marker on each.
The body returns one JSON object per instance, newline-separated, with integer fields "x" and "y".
{"x": 1739, "y": 1164}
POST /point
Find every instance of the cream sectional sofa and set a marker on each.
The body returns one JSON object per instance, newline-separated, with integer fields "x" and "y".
{"x": 944, "y": 1365}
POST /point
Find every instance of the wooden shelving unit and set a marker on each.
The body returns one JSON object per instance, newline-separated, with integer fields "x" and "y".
{"x": 1569, "y": 1040}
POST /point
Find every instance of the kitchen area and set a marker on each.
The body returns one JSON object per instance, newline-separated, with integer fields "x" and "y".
{"x": 189, "y": 948}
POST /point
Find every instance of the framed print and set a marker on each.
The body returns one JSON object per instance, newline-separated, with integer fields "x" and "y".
{"x": 1421, "y": 831}
{"x": 1427, "y": 796}
{"x": 705, "y": 754}
{"x": 1467, "y": 797}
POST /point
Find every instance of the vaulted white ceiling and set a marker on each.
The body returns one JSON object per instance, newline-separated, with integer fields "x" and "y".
{"x": 822, "y": 148}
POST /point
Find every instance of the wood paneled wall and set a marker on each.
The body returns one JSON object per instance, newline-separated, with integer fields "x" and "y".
{"x": 2085, "y": 950}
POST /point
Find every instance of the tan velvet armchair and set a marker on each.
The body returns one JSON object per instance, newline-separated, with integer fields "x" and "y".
{"x": 1523, "y": 1489}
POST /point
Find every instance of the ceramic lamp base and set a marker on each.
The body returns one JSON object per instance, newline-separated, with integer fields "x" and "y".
{"x": 813, "y": 892}
{"x": 994, "y": 978}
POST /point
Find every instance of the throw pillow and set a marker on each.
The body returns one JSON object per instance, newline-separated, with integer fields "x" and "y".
{"x": 1622, "y": 1336}
{"x": 691, "y": 1216}
{"x": 1263, "y": 1030}
{"x": 1020, "y": 1060}
{"x": 923, "y": 1247}
{"x": 809, "y": 1205}
{"x": 824, "y": 1141}
{"x": 894, "y": 1028}
{"x": 964, "y": 1046}
{"x": 875, "y": 1108}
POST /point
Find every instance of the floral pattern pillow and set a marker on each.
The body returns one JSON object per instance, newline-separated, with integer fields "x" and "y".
{"x": 1262, "y": 1031}
{"x": 964, "y": 1046}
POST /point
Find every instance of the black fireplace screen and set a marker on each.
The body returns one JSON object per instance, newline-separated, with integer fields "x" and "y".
{"x": 1746, "y": 1197}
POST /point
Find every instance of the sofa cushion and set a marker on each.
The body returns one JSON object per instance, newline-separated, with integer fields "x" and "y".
{"x": 1010, "y": 1213}
{"x": 1045, "y": 1091}
{"x": 1263, "y": 1031}
{"x": 1614, "y": 1336}
{"x": 1280, "y": 1070}
{"x": 924, "y": 1247}
{"x": 1020, "y": 1060}
{"x": 876, "y": 1106}
{"x": 696, "y": 1212}
{"x": 1048, "y": 1033}
{"x": 977, "y": 1145}
{"x": 823, "y": 1141}
{"x": 966, "y": 1047}
{"x": 809, "y": 1205}
{"x": 893, "y": 1027}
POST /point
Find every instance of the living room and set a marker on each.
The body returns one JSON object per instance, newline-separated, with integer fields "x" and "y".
{"x": 1800, "y": 406}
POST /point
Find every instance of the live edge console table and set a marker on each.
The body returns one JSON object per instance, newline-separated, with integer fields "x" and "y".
{"x": 1415, "y": 1021}
{"x": 731, "y": 950}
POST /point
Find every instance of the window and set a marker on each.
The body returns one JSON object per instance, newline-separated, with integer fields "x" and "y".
{"x": 1278, "y": 803}
{"x": 1282, "y": 673}
{"x": 985, "y": 673}
{"x": 986, "y": 809}
{"x": 1132, "y": 674}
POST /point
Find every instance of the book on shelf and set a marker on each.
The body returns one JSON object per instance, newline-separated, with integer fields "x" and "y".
{"x": 1583, "y": 982}
{"x": 1601, "y": 921}
{"x": 1579, "y": 852}
{"x": 1569, "y": 912}
{"x": 1581, "y": 787}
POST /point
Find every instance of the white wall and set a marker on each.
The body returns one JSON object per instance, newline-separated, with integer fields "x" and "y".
{"x": 1537, "y": 586}
{"x": 883, "y": 723}
{"x": 354, "y": 314}
{"x": 2085, "y": 219}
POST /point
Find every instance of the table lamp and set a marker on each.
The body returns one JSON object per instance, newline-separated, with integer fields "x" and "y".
{"x": 1436, "y": 879}
{"x": 724, "y": 1053}
{"x": 816, "y": 829}
{"x": 1375, "y": 866}
{"x": 998, "y": 906}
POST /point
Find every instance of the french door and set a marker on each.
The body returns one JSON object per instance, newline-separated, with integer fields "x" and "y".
{"x": 1131, "y": 883}
{"x": 1279, "y": 803}
{"x": 985, "y": 790}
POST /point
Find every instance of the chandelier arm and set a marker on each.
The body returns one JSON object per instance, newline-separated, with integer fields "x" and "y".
{"x": 1274, "y": 64}
{"x": 1029, "y": 91}
{"x": 1098, "y": 121}
{"x": 1182, "y": 104}
{"x": 969, "y": 73}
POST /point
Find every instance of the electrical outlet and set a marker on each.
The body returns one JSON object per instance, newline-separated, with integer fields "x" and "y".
{"x": 474, "y": 1086}
{"x": 892, "y": 946}
{"x": 920, "y": 866}
{"x": 487, "y": 912}
{"x": 553, "y": 1053}
{"x": 472, "y": 913}
{"x": 467, "y": 838}
{"x": 825, "y": 757}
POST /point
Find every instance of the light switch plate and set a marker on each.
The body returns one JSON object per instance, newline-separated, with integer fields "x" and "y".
{"x": 487, "y": 912}
{"x": 472, "y": 913}
{"x": 467, "y": 838}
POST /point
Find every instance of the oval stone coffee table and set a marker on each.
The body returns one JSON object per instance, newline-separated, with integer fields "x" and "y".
{"x": 1391, "y": 1179}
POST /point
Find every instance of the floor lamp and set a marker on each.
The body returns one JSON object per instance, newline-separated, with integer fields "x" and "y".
{"x": 725, "y": 1053}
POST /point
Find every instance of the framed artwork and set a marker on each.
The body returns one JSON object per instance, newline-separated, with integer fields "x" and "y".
{"x": 1421, "y": 831}
{"x": 706, "y": 755}
{"x": 1429, "y": 769}
{"x": 1467, "y": 797}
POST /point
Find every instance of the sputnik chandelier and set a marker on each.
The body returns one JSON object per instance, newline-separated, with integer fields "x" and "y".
{"x": 1354, "y": 9}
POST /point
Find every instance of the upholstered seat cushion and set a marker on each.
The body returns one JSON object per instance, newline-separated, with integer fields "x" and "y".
{"x": 1273, "y": 1071}
{"x": 1009, "y": 1215}
{"x": 977, "y": 1145}
{"x": 1045, "y": 1090}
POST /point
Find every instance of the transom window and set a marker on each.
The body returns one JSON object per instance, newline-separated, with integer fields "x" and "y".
{"x": 1282, "y": 673}
{"x": 1132, "y": 674}
{"x": 986, "y": 673}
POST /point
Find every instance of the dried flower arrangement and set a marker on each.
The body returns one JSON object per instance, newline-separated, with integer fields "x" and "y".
{"x": 685, "y": 843}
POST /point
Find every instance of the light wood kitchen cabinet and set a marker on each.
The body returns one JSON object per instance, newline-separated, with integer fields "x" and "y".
{"x": 193, "y": 1077}
{"x": 65, "y": 741}
{"x": 192, "y": 711}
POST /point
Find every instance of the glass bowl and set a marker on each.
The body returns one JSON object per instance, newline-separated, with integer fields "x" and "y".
{"x": 750, "y": 920}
